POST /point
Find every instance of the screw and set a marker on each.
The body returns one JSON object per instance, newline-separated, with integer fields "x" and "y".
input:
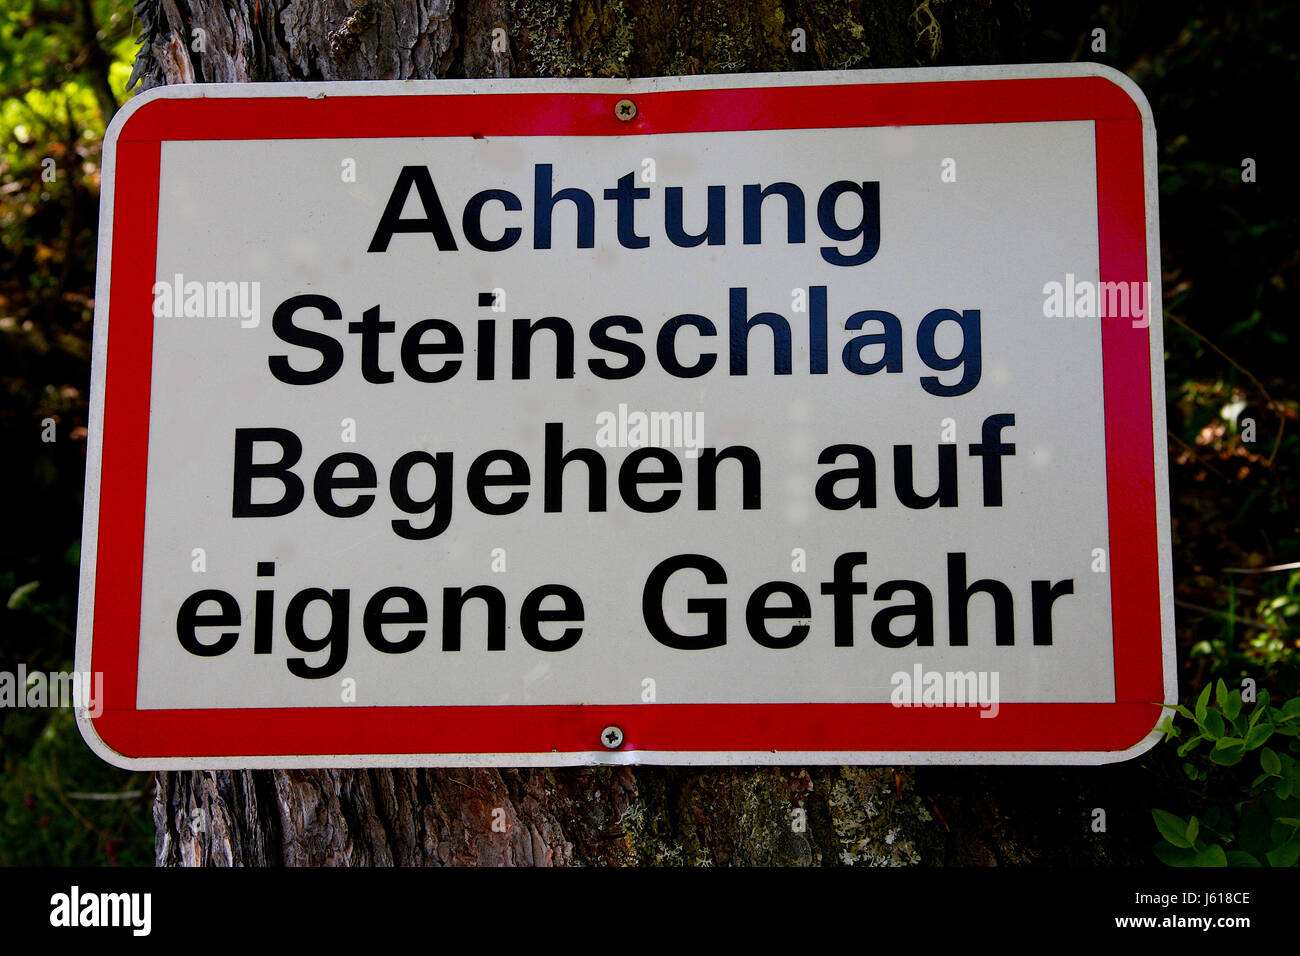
{"x": 625, "y": 110}
{"x": 611, "y": 737}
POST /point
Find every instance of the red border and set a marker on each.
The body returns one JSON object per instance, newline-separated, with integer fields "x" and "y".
{"x": 270, "y": 732}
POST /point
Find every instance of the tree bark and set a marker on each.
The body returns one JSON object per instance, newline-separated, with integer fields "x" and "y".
{"x": 869, "y": 815}
{"x": 97, "y": 60}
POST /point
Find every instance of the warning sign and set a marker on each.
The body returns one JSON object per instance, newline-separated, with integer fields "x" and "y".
{"x": 735, "y": 419}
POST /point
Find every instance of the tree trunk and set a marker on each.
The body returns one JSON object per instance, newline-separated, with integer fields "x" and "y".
{"x": 870, "y": 815}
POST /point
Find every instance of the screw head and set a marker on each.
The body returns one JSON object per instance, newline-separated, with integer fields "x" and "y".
{"x": 625, "y": 110}
{"x": 611, "y": 737}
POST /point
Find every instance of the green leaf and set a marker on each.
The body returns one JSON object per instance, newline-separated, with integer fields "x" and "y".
{"x": 1189, "y": 746}
{"x": 1258, "y": 735}
{"x": 1228, "y": 751}
{"x": 1292, "y": 707}
{"x": 1285, "y": 855}
{"x": 1184, "y": 711}
{"x": 1201, "y": 704}
{"x": 1212, "y": 724}
{"x": 1173, "y": 828}
{"x": 1221, "y": 694}
{"x": 1281, "y": 807}
{"x": 1242, "y": 858}
{"x": 1193, "y": 828}
{"x": 1270, "y": 761}
{"x": 1212, "y": 855}
{"x": 1232, "y": 705}
{"x": 1175, "y": 856}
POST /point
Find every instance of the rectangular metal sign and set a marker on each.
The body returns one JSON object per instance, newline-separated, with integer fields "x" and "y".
{"x": 793, "y": 418}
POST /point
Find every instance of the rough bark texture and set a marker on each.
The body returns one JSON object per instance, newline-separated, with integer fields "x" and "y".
{"x": 260, "y": 40}
{"x": 582, "y": 816}
{"x": 553, "y": 817}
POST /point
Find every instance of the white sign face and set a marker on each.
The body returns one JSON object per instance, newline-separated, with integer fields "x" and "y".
{"x": 758, "y": 419}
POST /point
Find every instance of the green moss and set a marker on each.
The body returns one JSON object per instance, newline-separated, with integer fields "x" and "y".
{"x": 735, "y": 818}
{"x": 535, "y": 25}
{"x": 838, "y": 37}
{"x": 561, "y": 40}
{"x": 615, "y": 60}
{"x": 872, "y": 825}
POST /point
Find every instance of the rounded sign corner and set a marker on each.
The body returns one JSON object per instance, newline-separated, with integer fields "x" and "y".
{"x": 1126, "y": 84}
{"x": 1150, "y": 736}
{"x": 129, "y": 114}
{"x": 92, "y": 732}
